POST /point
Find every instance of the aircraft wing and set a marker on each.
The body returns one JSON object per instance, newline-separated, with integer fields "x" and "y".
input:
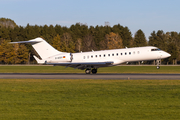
{"x": 83, "y": 65}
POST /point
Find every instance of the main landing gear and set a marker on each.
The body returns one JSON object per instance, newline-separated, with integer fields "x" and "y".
{"x": 88, "y": 71}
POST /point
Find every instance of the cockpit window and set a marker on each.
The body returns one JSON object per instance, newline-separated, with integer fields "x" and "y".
{"x": 157, "y": 49}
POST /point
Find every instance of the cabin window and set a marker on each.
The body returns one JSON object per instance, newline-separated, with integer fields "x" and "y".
{"x": 109, "y": 55}
{"x": 113, "y": 54}
{"x": 91, "y": 56}
{"x": 129, "y": 53}
{"x": 138, "y": 52}
{"x": 96, "y": 55}
{"x": 134, "y": 52}
{"x": 87, "y": 57}
{"x": 117, "y": 54}
{"x": 121, "y": 53}
{"x": 125, "y": 53}
{"x": 84, "y": 57}
{"x": 104, "y": 55}
{"x": 99, "y": 55}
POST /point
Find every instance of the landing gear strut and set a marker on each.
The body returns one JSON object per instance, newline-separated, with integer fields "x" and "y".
{"x": 158, "y": 63}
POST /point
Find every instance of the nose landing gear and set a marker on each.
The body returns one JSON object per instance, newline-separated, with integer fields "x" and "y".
{"x": 158, "y": 67}
{"x": 158, "y": 63}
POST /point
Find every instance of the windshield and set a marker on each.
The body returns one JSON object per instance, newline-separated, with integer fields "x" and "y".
{"x": 156, "y": 49}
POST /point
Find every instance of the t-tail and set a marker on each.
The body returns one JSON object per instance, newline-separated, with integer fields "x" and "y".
{"x": 44, "y": 49}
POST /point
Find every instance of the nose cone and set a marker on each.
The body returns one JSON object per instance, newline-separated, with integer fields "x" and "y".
{"x": 165, "y": 55}
{"x": 168, "y": 55}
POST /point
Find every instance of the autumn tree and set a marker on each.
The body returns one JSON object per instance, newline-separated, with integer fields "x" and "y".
{"x": 113, "y": 41}
{"x": 13, "y": 53}
{"x": 21, "y": 54}
{"x": 56, "y": 43}
{"x": 6, "y": 52}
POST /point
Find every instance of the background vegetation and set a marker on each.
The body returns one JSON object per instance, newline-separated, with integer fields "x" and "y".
{"x": 80, "y": 37}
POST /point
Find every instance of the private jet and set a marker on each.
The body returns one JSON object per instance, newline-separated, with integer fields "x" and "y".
{"x": 91, "y": 61}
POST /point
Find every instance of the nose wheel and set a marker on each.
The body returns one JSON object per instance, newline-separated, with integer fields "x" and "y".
{"x": 158, "y": 67}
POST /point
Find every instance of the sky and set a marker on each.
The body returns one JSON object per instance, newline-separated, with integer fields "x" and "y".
{"x": 147, "y": 15}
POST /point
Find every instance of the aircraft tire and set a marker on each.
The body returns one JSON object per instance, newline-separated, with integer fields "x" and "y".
{"x": 87, "y": 71}
{"x": 158, "y": 67}
{"x": 94, "y": 71}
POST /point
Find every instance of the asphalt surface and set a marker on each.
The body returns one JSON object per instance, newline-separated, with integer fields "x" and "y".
{"x": 89, "y": 76}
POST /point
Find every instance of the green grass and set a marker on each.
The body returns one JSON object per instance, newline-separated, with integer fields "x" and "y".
{"x": 90, "y": 99}
{"x": 115, "y": 69}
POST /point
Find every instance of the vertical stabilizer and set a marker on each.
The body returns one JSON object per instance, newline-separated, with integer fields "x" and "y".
{"x": 43, "y": 48}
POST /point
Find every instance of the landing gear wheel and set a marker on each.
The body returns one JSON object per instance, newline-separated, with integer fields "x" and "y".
{"x": 87, "y": 71}
{"x": 94, "y": 71}
{"x": 158, "y": 67}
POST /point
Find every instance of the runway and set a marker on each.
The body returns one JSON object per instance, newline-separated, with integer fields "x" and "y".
{"x": 89, "y": 76}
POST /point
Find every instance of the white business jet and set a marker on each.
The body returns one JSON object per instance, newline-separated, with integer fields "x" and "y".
{"x": 91, "y": 61}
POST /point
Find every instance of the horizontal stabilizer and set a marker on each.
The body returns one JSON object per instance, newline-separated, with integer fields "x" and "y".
{"x": 30, "y": 42}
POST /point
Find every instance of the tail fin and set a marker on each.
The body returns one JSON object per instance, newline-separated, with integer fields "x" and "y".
{"x": 43, "y": 48}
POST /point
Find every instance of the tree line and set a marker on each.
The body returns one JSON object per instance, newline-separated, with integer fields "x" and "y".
{"x": 80, "y": 37}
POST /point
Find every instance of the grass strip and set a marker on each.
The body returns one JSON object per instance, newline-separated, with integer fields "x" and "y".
{"x": 89, "y": 99}
{"x": 115, "y": 69}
